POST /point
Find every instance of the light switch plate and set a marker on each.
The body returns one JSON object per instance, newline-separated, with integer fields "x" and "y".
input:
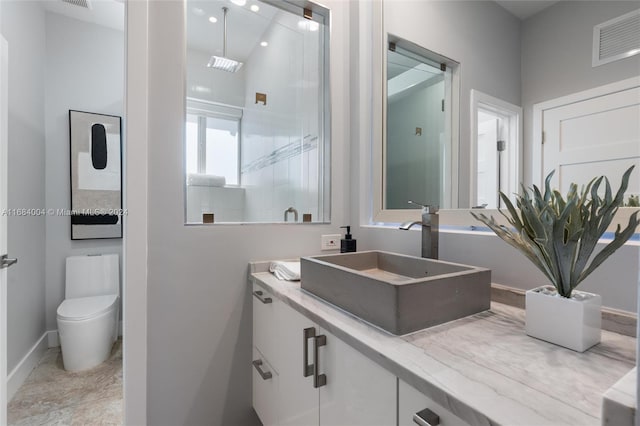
{"x": 330, "y": 242}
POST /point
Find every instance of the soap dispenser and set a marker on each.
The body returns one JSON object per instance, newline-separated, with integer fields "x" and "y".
{"x": 347, "y": 244}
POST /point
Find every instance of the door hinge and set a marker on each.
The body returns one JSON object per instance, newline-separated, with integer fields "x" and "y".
{"x": 543, "y": 138}
{"x": 443, "y": 105}
{"x": 501, "y": 145}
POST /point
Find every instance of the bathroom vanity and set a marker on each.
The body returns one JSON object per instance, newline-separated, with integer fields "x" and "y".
{"x": 314, "y": 363}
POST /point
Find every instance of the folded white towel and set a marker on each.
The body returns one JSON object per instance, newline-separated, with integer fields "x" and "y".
{"x": 200, "y": 179}
{"x": 289, "y": 271}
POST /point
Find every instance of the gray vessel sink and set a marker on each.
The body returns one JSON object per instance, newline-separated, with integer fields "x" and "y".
{"x": 398, "y": 293}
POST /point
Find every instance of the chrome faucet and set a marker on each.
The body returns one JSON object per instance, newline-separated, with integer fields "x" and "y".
{"x": 429, "y": 222}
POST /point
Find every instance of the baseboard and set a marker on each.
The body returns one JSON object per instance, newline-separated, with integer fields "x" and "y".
{"x": 615, "y": 320}
{"x": 53, "y": 338}
{"x": 19, "y": 374}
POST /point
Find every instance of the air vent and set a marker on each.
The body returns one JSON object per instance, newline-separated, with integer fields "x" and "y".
{"x": 80, "y": 3}
{"x": 616, "y": 39}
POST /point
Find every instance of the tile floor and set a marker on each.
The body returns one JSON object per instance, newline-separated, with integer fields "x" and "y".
{"x": 53, "y": 396}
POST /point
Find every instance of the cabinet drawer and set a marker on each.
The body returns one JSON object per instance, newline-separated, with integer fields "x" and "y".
{"x": 411, "y": 401}
{"x": 265, "y": 389}
{"x": 265, "y": 333}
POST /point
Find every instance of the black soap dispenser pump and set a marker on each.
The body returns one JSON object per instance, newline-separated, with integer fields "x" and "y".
{"x": 347, "y": 244}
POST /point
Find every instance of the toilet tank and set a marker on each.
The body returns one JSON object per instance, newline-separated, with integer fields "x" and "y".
{"x": 92, "y": 276}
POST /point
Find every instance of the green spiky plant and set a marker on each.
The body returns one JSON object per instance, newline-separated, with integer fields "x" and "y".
{"x": 558, "y": 235}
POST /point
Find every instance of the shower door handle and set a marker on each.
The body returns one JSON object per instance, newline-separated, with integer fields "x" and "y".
{"x": 5, "y": 262}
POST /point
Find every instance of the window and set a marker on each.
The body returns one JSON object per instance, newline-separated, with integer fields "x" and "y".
{"x": 213, "y": 142}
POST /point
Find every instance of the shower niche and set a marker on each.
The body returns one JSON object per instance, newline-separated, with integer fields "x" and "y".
{"x": 257, "y": 131}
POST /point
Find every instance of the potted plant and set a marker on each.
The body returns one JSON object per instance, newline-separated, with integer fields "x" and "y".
{"x": 559, "y": 236}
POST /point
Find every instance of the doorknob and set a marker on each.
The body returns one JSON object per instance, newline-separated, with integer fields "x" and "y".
{"x": 5, "y": 262}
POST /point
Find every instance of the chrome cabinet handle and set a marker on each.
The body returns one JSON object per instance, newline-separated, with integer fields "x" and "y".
{"x": 258, "y": 294}
{"x": 318, "y": 379}
{"x": 426, "y": 417}
{"x": 307, "y": 333}
{"x": 5, "y": 262}
{"x": 266, "y": 375}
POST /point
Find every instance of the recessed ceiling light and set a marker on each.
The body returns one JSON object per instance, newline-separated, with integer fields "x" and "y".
{"x": 197, "y": 11}
{"x": 255, "y": 8}
{"x": 239, "y": 2}
{"x": 264, "y": 44}
{"x": 213, "y": 19}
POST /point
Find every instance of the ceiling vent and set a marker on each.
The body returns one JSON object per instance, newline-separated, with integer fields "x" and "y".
{"x": 80, "y": 3}
{"x": 616, "y": 39}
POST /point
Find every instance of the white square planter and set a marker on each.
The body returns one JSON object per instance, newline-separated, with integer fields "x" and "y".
{"x": 574, "y": 323}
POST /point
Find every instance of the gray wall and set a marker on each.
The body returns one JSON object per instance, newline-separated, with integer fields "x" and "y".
{"x": 556, "y": 56}
{"x": 481, "y": 36}
{"x": 508, "y": 266}
{"x": 84, "y": 71}
{"x": 23, "y": 25}
{"x": 199, "y": 301}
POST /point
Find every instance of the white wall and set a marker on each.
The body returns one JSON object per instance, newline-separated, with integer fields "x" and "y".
{"x": 556, "y": 56}
{"x": 481, "y": 36}
{"x": 84, "y": 71}
{"x": 199, "y": 302}
{"x": 23, "y": 25}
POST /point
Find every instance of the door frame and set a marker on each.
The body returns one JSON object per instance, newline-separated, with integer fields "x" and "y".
{"x": 539, "y": 109}
{"x": 4, "y": 145}
{"x": 479, "y": 98}
{"x": 135, "y": 175}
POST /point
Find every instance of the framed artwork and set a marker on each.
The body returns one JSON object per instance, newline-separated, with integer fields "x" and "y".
{"x": 96, "y": 175}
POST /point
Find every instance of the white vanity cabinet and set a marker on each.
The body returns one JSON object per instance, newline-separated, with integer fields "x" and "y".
{"x": 317, "y": 379}
{"x": 413, "y": 404}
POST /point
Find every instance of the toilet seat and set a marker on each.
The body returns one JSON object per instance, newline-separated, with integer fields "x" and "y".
{"x": 83, "y": 308}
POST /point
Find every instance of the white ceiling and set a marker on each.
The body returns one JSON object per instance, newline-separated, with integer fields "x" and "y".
{"x": 108, "y": 13}
{"x": 525, "y": 9}
{"x": 245, "y": 28}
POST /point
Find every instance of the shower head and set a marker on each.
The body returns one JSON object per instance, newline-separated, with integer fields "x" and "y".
{"x": 222, "y": 62}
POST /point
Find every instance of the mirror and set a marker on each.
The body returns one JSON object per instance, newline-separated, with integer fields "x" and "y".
{"x": 418, "y": 145}
{"x": 257, "y": 112}
{"x": 517, "y": 63}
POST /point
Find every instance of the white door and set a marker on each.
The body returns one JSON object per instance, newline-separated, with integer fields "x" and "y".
{"x": 488, "y": 162}
{"x": 4, "y": 261}
{"x": 593, "y": 137}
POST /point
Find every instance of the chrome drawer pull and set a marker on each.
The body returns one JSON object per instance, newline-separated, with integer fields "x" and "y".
{"x": 265, "y": 300}
{"x": 266, "y": 375}
{"x": 318, "y": 379}
{"x": 426, "y": 417}
{"x": 307, "y": 333}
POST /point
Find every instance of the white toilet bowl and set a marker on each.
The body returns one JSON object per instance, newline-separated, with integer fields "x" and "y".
{"x": 88, "y": 327}
{"x": 88, "y": 317}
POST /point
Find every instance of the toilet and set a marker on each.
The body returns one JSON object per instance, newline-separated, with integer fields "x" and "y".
{"x": 88, "y": 317}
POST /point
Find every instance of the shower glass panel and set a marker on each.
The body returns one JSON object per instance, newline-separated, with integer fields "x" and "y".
{"x": 256, "y": 140}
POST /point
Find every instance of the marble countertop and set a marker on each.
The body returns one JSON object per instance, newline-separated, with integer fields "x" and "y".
{"x": 483, "y": 368}
{"x": 619, "y": 405}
